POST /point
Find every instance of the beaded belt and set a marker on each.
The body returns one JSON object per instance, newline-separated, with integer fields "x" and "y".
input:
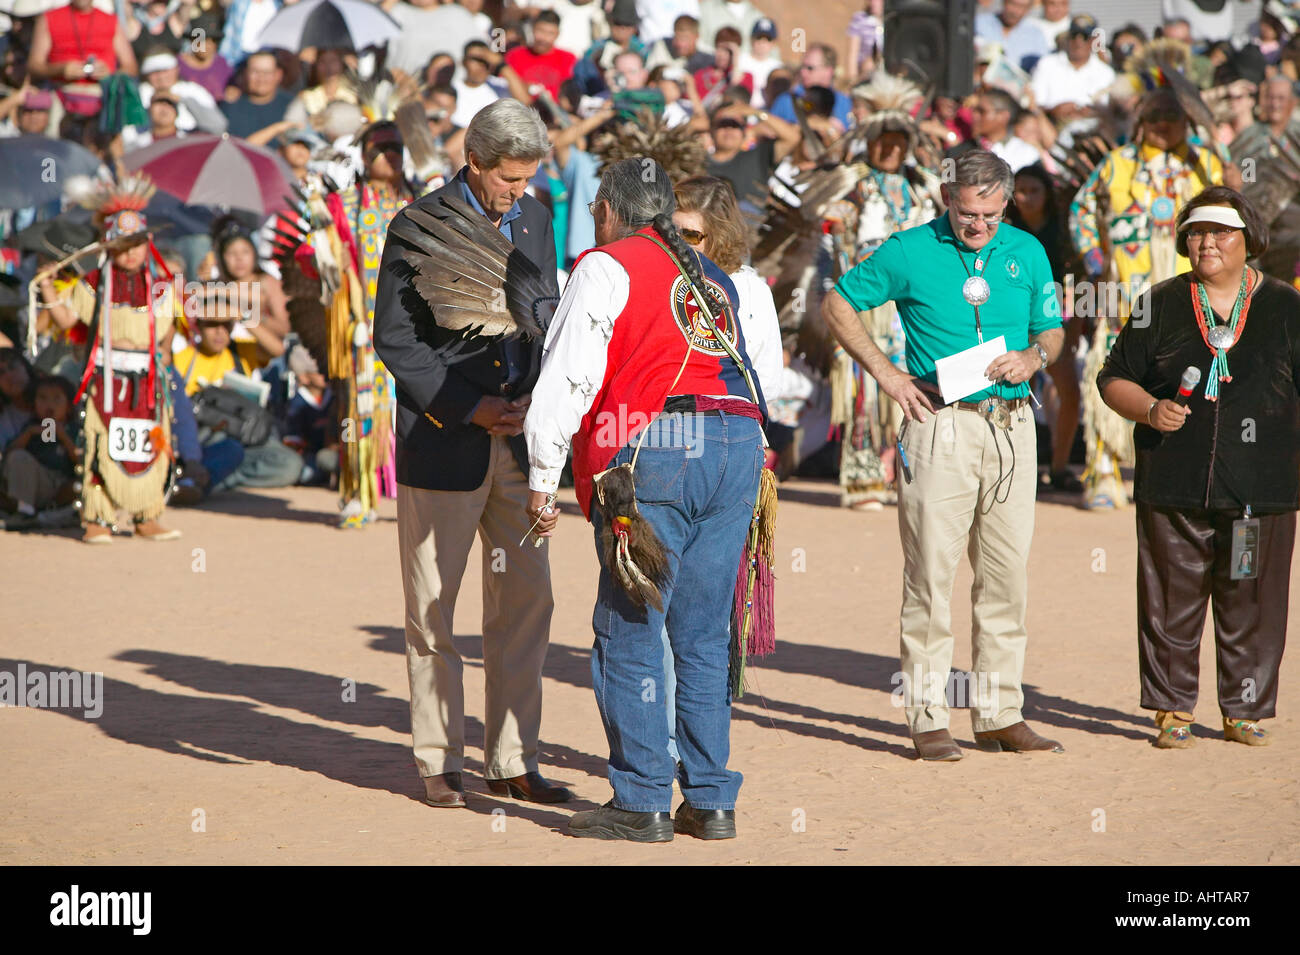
{"x": 700, "y": 404}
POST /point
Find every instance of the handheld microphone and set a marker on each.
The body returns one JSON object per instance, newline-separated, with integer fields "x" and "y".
{"x": 1191, "y": 378}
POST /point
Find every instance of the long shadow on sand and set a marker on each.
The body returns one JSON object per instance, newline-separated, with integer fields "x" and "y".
{"x": 233, "y": 731}
{"x": 321, "y": 695}
{"x": 863, "y": 670}
{"x": 873, "y": 671}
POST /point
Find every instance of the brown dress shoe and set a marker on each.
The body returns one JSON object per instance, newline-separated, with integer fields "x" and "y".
{"x": 530, "y": 787}
{"x": 937, "y": 745}
{"x": 445, "y": 791}
{"x": 1016, "y": 738}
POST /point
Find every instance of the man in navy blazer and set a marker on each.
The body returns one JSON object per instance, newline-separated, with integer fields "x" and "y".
{"x": 462, "y": 470}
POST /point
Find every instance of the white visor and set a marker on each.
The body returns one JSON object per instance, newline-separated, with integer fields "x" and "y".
{"x": 1223, "y": 215}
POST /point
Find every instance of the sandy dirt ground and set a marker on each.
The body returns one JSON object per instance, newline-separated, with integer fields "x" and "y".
{"x": 224, "y": 657}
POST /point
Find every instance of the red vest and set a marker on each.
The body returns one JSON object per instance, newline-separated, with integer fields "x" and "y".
{"x": 76, "y": 36}
{"x": 644, "y": 355}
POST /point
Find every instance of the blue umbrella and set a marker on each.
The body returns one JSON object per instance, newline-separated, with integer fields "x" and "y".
{"x": 37, "y": 169}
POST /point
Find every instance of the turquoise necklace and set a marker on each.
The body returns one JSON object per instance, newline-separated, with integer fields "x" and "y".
{"x": 1219, "y": 338}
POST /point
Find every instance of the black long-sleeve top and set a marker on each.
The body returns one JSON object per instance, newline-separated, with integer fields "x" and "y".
{"x": 1243, "y": 449}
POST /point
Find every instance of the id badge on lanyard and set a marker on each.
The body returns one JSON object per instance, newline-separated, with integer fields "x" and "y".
{"x": 1245, "y": 548}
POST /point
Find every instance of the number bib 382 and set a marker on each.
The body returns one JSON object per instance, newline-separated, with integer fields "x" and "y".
{"x": 128, "y": 439}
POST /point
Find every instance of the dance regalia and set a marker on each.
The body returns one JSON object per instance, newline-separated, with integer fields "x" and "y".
{"x": 882, "y": 204}
{"x": 1122, "y": 222}
{"x": 127, "y": 423}
{"x": 367, "y": 212}
{"x": 332, "y": 244}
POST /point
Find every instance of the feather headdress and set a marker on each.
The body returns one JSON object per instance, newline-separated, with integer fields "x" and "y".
{"x": 377, "y": 97}
{"x": 471, "y": 277}
{"x": 892, "y": 100}
{"x": 118, "y": 207}
{"x": 675, "y": 148}
{"x": 1150, "y": 68}
{"x": 1159, "y": 70}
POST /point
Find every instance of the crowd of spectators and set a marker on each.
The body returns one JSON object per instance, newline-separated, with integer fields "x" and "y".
{"x": 1045, "y": 78}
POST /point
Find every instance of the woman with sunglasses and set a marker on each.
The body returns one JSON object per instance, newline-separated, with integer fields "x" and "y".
{"x": 1218, "y": 473}
{"x": 709, "y": 219}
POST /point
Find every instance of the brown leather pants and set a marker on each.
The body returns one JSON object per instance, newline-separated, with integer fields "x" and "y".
{"x": 1183, "y": 561}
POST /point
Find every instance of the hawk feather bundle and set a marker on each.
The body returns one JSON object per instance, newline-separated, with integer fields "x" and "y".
{"x": 631, "y": 550}
{"x": 469, "y": 274}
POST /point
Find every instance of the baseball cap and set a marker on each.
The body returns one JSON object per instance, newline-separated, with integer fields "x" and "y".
{"x": 1082, "y": 25}
{"x": 763, "y": 28}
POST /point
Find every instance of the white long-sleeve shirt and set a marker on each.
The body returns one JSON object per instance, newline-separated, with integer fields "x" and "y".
{"x": 575, "y": 355}
{"x": 762, "y": 331}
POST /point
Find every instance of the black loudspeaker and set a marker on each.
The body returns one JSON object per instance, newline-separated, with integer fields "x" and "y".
{"x": 933, "y": 43}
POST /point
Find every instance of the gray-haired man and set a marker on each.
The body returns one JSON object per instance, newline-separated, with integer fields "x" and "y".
{"x": 630, "y": 325}
{"x": 462, "y": 466}
{"x": 959, "y": 281}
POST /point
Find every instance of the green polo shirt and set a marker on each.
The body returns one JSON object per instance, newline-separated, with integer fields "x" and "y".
{"x": 921, "y": 269}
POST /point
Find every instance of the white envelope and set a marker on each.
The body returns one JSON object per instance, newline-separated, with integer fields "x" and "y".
{"x": 962, "y": 375}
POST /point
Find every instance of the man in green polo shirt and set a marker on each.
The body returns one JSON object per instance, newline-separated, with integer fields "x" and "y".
{"x": 960, "y": 280}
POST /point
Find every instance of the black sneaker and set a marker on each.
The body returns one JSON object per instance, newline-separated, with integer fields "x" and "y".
{"x": 705, "y": 823}
{"x": 609, "y": 822}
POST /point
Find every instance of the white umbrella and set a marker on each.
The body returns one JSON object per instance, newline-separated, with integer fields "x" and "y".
{"x": 325, "y": 24}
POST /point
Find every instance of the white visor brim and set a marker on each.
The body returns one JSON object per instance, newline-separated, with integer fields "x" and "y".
{"x": 1223, "y": 215}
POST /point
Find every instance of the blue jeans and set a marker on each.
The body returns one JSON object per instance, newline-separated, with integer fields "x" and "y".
{"x": 696, "y": 479}
{"x": 222, "y": 458}
{"x": 670, "y": 695}
{"x": 269, "y": 464}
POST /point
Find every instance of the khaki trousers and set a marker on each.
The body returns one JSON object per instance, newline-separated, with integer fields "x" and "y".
{"x": 950, "y": 506}
{"x": 435, "y": 531}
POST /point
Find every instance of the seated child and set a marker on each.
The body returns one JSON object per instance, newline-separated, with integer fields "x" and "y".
{"x": 40, "y": 462}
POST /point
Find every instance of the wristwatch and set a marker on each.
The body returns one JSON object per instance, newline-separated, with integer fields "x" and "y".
{"x": 1042, "y": 354}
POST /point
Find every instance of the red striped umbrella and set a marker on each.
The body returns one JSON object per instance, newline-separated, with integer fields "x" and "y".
{"x": 209, "y": 170}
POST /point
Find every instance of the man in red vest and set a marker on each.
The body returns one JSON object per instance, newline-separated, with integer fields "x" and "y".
{"x": 634, "y": 372}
